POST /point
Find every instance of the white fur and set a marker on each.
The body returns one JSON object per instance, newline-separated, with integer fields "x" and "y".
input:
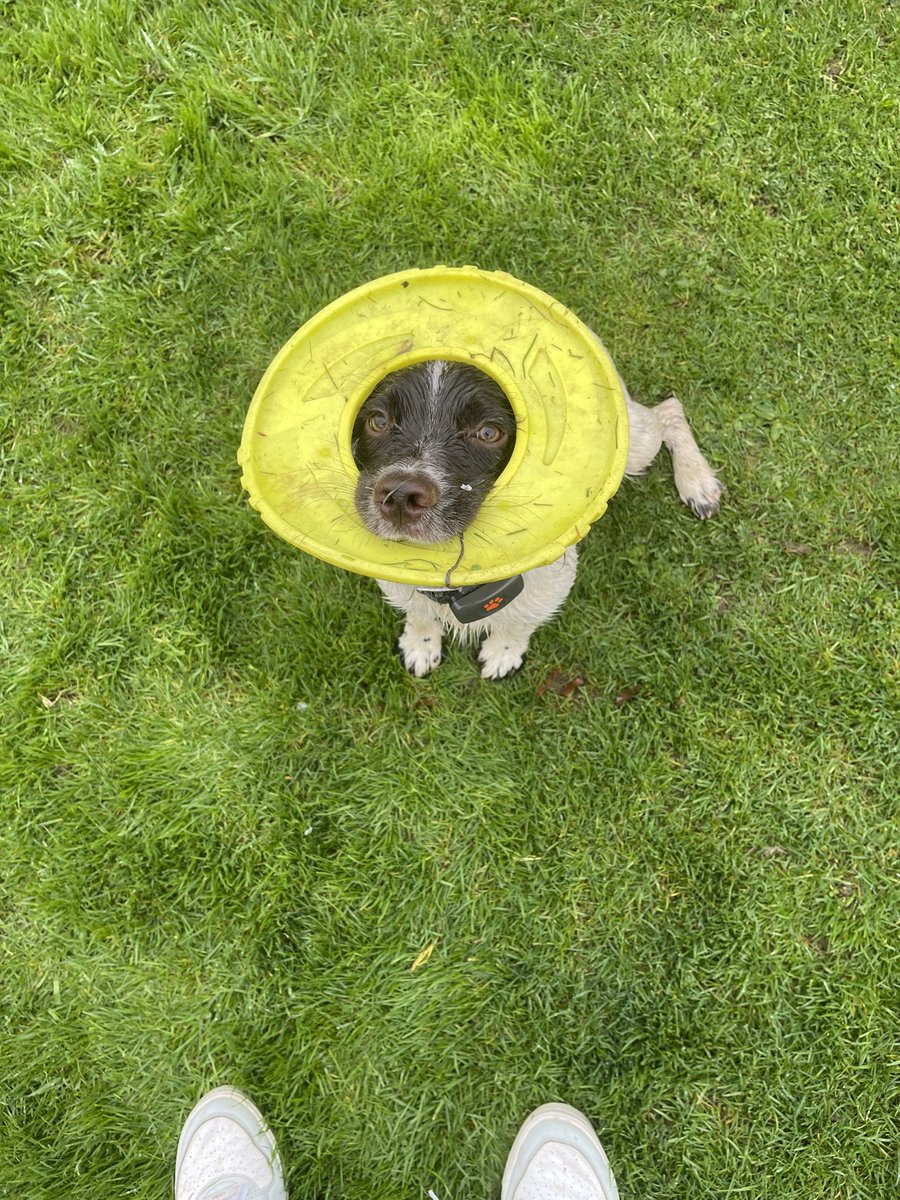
{"x": 435, "y": 371}
{"x": 506, "y": 634}
{"x": 648, "y": 429}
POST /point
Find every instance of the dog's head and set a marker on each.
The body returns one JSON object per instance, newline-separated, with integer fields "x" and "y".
{"x": 430, "y": 442}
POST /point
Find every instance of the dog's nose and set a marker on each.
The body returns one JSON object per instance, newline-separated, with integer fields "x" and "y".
{"x": 404, "y": 498}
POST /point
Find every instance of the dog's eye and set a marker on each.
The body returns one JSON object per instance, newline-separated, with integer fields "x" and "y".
{"x": 377, "y": 423}
{"x": 490, "y": 434}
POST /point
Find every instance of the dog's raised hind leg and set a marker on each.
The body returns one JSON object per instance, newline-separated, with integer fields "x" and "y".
{"x": 649, "y": 428}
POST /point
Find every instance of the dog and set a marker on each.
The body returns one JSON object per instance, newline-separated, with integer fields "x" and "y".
{"x": 430, "y": 441}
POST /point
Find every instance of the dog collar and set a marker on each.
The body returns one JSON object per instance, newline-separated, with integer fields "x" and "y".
{"x": 479, "y": 602}
{"x": 569, "y": 403}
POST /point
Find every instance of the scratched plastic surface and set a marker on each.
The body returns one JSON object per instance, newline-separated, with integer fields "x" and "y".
{"x": 572, "y": 427}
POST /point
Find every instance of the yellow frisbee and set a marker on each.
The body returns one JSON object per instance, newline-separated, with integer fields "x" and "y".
{"x": 569, "y": 403}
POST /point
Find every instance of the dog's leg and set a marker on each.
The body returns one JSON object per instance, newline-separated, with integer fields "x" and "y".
{"x": 503, "y": 650}
{"x": 508, "y": 631}
{"x": 648, "y": 429}
{"x": 419, "y": 644}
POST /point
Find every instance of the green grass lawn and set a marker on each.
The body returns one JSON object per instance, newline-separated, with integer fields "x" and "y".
{"x": 229, "y": 822}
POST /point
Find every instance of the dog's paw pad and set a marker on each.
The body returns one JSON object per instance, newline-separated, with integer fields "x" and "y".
{"x": 418, "y": 656}
{"x": 501, "y": 661}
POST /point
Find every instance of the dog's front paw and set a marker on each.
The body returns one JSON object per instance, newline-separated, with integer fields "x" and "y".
{"x": 419, "y": 653}
{"x": 700, "y": 490}
{"x": 501, "y": 658}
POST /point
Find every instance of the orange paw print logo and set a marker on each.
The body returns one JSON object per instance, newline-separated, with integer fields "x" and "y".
{"x": 492, "y": 604}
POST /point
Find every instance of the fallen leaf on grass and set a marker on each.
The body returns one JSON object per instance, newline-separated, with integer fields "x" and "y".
{"x": 550, "y": 683}
{"x": 557, "y": 682}
{"x": 627, "y": 694}
{"x": 422, "y": 957}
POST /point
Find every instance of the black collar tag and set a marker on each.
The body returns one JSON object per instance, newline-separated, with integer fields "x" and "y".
{"x": 476, "y": 603}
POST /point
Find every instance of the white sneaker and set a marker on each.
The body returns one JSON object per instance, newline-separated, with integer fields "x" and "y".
{"x": 557, "y": 1156}
{"x": 226, "y": 1152}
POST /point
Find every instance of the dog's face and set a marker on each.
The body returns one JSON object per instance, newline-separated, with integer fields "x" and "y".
{"x": 430, "y": 442}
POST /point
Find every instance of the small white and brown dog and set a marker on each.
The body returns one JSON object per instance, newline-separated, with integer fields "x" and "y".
{"x": 430, "y": 441}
